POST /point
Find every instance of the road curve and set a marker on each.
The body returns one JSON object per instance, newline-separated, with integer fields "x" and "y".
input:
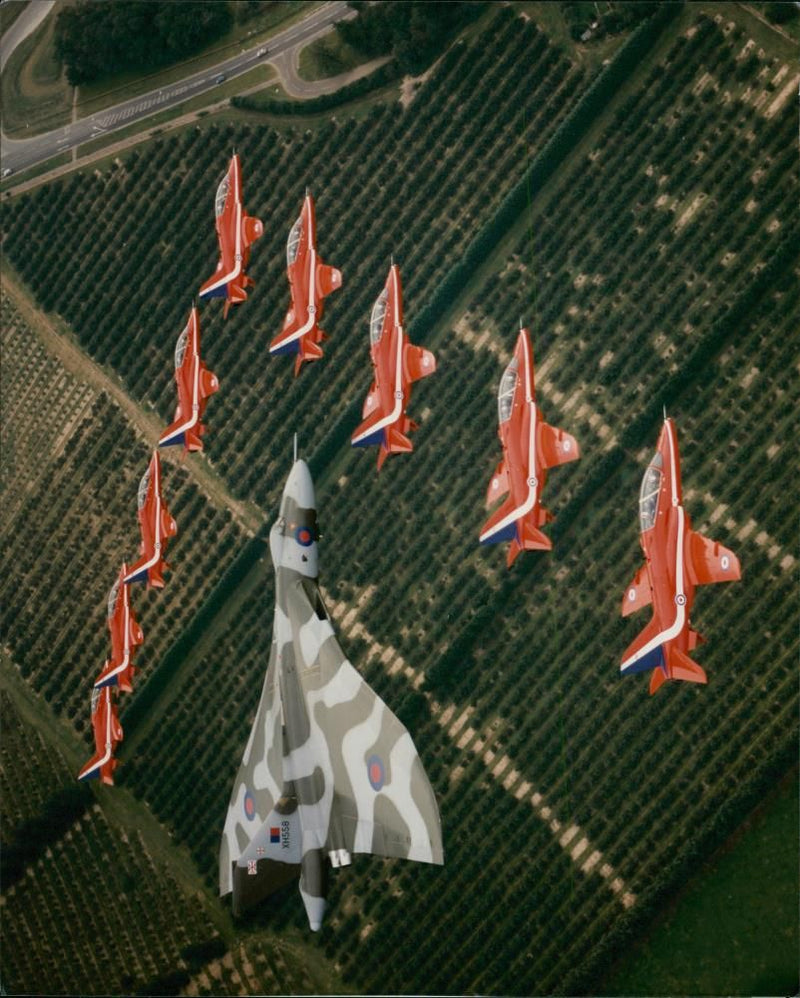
{"x": 28, "y": 21}
{"x": 20, "y": 154}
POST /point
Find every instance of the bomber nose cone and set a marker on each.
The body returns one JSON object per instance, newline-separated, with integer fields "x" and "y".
{"x": 300, "y": 487}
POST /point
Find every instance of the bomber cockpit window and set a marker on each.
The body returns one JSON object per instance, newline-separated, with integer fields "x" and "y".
{"x": 294, "y": 241}
{"x": 180, "y": 347}
{"x": 112, "y": 599}
{"x": 505, "y": 393}
{"x": 648, "y": 494}
{"x": 222, "y": 195}
{"x": 376, "y": 319}
{"x": 142, "y": 494}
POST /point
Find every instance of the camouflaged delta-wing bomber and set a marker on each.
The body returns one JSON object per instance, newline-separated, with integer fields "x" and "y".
{"x": 328, "y": 768}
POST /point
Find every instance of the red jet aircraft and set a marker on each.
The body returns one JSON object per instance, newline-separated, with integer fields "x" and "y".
{"x": 156, "y": 526}
{"x": 396, "y": 363}
{"x": 677, "y": 559}
{"x": 126, "y": 635}
{"x": 310, "y": 281}
{"x": 530, "y": 447}
{"x": 235, "y": 231}
{"x": 107, "y": 735}
{"x": 195, "y": 384}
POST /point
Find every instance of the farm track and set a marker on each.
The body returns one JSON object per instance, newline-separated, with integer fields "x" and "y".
{"x": 147, "y": 424}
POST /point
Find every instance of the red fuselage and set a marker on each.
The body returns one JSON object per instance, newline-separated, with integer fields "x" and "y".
{"x": 195, "y": 384}
{"x": 310, "y": 281}
{"x": 396, "y": 364}
{"x": 236, "y": 231}
{"x": 677, "y": 559}
{"x": 530, "y": 447}
{"x": 107, "y": 735}
{"x": 156, "y": 526}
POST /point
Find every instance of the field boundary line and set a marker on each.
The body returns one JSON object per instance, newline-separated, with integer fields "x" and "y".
{"x": 454, "y": 722}
{"x": 147, "y": 424}
{"x": 121, "y": 808}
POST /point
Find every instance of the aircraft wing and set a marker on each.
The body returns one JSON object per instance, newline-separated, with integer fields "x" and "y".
{"x": 417, "y": 362}
{"x": 638, "y": 593}
{"x": 256, "y": 789}
{"x": 498, "y": 485}
{"x": 381, "y": 795}
{"x": 709, "y": 561}
{"x": 557, "y": 446}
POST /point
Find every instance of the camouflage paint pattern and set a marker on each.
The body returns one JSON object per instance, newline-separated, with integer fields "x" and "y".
{"x": 328, "y": 769}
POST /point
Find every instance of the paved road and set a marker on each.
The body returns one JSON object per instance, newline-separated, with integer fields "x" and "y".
{"x": 19, "y": 154}
{"x": 28, "y": 21}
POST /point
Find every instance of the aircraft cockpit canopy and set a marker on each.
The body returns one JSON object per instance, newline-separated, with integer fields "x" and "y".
{"x": 505, "y": 393}
{"x": 95, "y": 700}
{"x": 180, "y": 347}
{"x": 293, "y": 242}
{"x": 377, "y": 317}
{"x": 112, "y": 599}
{"x": 222, "y": 195}
{"x": 648, "y": 494}
{"x": 143, "y": 486}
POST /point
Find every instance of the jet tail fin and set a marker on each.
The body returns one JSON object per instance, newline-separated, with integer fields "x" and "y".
{"x": 308, "y": 351}
{"x": 395, "y": 443}
{"x": 529, "y": 538}
{"x": 682, "y": 667}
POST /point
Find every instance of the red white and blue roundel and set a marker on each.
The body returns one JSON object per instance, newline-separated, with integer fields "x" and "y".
{"x": 304, "y": 536}
{"x": 249, "y": 805}
{"x": 376, "y": 772}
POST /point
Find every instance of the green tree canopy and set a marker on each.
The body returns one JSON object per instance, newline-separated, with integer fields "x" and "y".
{"x": 94, "y": 40}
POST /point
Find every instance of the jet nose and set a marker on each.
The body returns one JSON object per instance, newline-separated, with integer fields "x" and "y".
{"x": 300, "y": 487}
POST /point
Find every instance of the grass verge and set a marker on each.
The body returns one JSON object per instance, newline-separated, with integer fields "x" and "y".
{"x": 36, "y": 95}
{"x": 328, "y": 56}
{"x": 62, "y": 159}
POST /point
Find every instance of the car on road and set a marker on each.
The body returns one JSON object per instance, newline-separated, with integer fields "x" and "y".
{"x": 7, "y": 172}
{"x": 220, "y": 78}
{"x": 262, "y": 51}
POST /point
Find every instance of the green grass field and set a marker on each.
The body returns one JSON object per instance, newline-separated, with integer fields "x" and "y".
{"x": 733, "y": 929}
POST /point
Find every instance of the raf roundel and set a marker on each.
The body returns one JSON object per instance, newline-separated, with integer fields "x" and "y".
{"x": 375, "y": 772}
{"x": 249, "y": 805}
{"x": 304, "y": 536}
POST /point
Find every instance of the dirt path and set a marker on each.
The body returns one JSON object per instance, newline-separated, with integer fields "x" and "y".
{"x": 288, "y": 65}
{"x": 147, "y": 423}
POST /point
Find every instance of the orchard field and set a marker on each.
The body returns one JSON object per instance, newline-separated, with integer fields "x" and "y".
{"x": 649, "y": 249}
